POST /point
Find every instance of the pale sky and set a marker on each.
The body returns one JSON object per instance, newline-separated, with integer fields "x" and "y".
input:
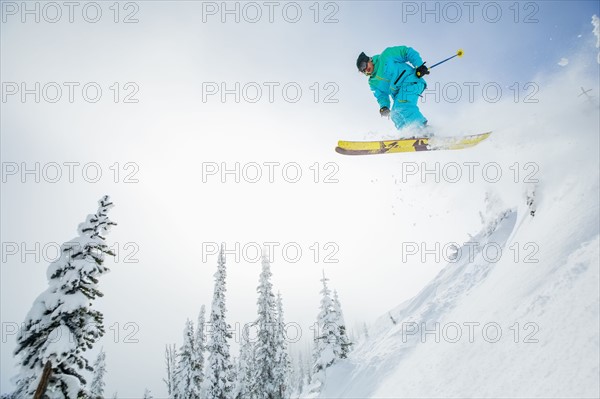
{"x": 161, "y": 135}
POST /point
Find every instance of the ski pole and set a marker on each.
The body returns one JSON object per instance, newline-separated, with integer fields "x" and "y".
{"x": 459, "y": 53}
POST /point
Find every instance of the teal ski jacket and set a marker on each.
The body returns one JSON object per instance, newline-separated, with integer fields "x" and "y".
{"x": 391, "y": 73}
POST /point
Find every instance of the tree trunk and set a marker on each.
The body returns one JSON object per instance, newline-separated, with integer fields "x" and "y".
{"x": 41, "y": 389}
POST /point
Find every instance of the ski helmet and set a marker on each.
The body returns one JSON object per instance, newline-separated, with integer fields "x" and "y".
{"x": 362, "y": 61}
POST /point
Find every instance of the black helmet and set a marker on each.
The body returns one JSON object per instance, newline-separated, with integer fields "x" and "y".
{"x": 362, "y": 61}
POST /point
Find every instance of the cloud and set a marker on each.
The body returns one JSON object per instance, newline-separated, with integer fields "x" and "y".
{"x": 563, "y": 62}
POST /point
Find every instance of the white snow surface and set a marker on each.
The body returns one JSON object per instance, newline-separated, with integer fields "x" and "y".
{"x": 526, "y": 325}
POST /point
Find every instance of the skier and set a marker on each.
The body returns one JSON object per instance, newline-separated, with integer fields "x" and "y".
{"x": 390, "y": 75}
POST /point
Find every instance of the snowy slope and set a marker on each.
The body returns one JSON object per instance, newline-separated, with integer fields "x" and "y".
{"x": 526, "y": 324}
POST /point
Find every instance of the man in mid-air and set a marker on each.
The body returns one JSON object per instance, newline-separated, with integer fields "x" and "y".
{"x": 397, "y": 73}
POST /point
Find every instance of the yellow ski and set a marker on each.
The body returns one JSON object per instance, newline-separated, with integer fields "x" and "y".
{"x": 409, "y": 145}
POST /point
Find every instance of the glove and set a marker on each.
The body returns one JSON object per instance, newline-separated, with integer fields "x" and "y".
{"x": 384, "y": 111}
{"x": 422, "y": 71}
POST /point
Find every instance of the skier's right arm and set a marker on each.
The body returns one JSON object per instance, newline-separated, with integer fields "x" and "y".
{"x": 383, "y": 99}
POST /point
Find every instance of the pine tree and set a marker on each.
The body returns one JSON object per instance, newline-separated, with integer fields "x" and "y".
{"x": 218, "y": 382}
{"x": 246, "y": 376}
{"x": 343, "y": 344}
{"x": 61, "y": 324}
{"x": 147, "y": 394}
{"x": 308, "y": 371}
{"x": 171, "y": 363}
{"x": 187, "y": 373}
{"x": 266, "y": 345}
{"x": 301, "y": 376}
{"x": 326, "y": 338}
{"x": 199, "y": 349}
{"x": 282, "y": 358}
{"x": 97, "y": 386}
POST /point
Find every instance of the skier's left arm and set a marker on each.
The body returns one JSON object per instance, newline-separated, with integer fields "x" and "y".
{"x": 405, "y": 54}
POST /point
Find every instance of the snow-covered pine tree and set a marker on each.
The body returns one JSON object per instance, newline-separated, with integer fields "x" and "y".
{"x": 282, "y": 359}
{"x": 266, "y": 345}
{"x": 171, "y": 363}
{"x": 97, "y": 386}
{"x": 218, "y": 381}
{"x": 301, "y": 375}
{"x": 199, "y": 349}
{"x": 187, "y": 373}
{"x": 61, "y": 324}
{"x": 326, "y": 337}
{"x": 344, "y": 344}
{"x": 246, "y": 376}
{"x": 148, "y": 394}
{"x": 308, "y": 368}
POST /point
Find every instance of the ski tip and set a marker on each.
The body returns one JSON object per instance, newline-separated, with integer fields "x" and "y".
{"x": 345, "y": 151}
{"x": 342, "y": 151}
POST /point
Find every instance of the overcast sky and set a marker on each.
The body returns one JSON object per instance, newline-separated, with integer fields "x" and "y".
{"x": 153, "y": 102}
